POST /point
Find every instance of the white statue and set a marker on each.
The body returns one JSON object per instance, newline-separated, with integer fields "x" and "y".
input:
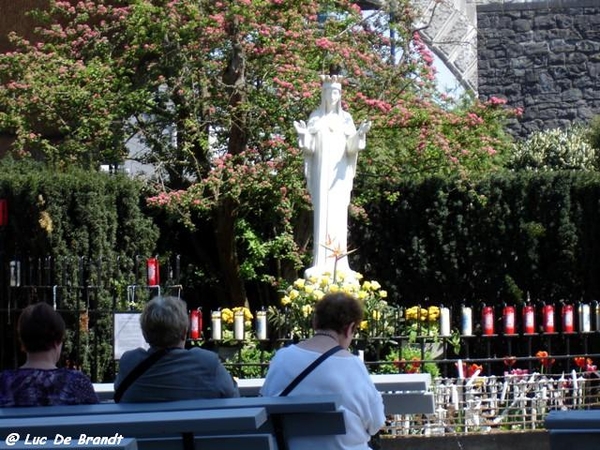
{"x": 331, "y": 143}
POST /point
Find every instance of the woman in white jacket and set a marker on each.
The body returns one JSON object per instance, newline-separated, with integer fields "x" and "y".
{"x": 336, "y": 319}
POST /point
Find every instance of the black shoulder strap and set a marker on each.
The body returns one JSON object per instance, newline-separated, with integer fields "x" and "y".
{"x": 309, "y": 369}
{"x": 137, "y": 372}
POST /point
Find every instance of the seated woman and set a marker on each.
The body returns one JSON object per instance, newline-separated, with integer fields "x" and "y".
{"x": 336, "y": 318}
{"x": 167, "y": 371}
{"x": 39, "y": 382}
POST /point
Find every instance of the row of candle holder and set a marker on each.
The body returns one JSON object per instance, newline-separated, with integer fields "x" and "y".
{"x": 584, "y": 311}
{"x": 239, "y": 325}
{"x": 547, "y": 313}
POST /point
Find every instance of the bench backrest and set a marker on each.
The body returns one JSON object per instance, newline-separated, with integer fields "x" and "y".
{"x": 403, "y": 393}
{"x": 273, "y": 405}
{"x": 573, "y": 428}
{"x": 285, "y": 417}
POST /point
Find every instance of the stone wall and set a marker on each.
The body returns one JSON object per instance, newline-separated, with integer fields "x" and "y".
{"x": 527, "y": 440}
{"x": 544, "y": 57}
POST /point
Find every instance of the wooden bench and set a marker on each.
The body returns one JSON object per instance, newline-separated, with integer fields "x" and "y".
{"x": 286, "y": 417}
{"x": 574, "y": 428}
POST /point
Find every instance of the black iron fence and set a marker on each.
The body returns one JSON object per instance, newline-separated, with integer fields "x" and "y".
{"x": 90, "y": 293}
{"x": 87, "y": 292}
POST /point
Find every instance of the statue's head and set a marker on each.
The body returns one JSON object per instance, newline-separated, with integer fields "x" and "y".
{"x": 331, "y": 92}
{"x": 331, "y": 82}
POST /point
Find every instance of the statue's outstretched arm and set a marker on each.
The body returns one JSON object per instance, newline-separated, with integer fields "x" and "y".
{"x": 304, "y": 137}
{"x": 364, "y": 128}
{"x": 359, "y": 140}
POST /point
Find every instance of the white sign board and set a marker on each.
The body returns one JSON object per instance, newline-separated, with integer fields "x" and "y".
{"x": 128, "y": 333}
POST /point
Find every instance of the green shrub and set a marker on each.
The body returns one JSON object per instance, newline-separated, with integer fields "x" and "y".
{"x": 593, "y": 133}
{"x": 555, "y": 150}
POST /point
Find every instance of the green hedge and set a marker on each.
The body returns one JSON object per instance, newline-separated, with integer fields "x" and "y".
{"x": 496, "y": 240}
{"x": 86, "y": 228}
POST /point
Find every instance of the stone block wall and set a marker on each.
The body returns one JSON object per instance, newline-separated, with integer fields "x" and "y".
{"x": 543, "y": 57}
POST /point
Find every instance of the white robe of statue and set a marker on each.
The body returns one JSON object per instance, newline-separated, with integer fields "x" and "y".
{"x": 330, "y": 142}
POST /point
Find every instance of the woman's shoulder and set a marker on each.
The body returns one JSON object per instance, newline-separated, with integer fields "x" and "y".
{"x": 73, "y": 374}
{"x": 201, "y": 354}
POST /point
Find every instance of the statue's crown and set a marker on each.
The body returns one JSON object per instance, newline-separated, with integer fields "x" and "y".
{"x": 332, "y": 81}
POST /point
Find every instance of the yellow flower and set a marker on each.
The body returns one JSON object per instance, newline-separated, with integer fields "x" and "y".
{"x": 375, "y": 285}
{"x": 227, "y": 315}
{"x": 309, "y": 289}
{"x": 299, "y": 283}
{"x": 248, "y": 314}
{"x": 318, "y": 294}
{"x": 340, "y": 275}
{"x": 383, "y": 294}
{"x": 286, "y": 300}
{"x": 45, "y": 222}
{"x": 349, "y": 288}
{"x": 366, "y": 285}
{"x": 294, "y": 294}
{"x": 433, "y": 313}
{"x": 358, "y": 276}
{"x": 362, "y": 295}
{"x": 325, "y": 280}
{"x": 364, "y": 325}
{"x": 334, "y": 288}
{"x": 376, "y": 315}
{"x": 306, "y": 310}
{"x": 412, "y": 313}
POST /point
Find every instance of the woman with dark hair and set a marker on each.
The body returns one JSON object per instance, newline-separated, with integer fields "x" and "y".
{"x": 336, "y": 319}
{"x": 39, "y": 382}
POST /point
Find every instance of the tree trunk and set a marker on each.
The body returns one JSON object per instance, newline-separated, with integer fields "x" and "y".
{"x": 227, "y": 253}
{"x": 234, "y": 79}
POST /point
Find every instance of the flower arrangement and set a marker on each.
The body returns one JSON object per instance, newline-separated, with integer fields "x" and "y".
{"x": 294, "y": 317}
{"x": 228, "y": 323}
{"x": 420, "y": 321}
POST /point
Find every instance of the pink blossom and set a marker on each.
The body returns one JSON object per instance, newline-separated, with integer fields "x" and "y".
{"x": 490, "y": 150}
{"x": 324, "y": 43}
{"x": 474, "y": 119}
{"x": 496, "y": 101}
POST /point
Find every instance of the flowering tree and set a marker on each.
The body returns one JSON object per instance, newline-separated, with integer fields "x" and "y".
{"x": 211, "y": 89}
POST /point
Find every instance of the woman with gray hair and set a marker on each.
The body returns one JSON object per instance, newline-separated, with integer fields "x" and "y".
{"x": 167, "y": 371}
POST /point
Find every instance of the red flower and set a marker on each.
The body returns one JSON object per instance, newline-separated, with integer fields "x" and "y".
{"x": 413, "y": 366}
{"x": 472, "y": 368}
{"x": 579, "y": 361}
{"x": 586, "y": 364}
{"x": 469, "y": 369}
{"x": 545, "y": 361}
{"x": 510, "y": 361}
